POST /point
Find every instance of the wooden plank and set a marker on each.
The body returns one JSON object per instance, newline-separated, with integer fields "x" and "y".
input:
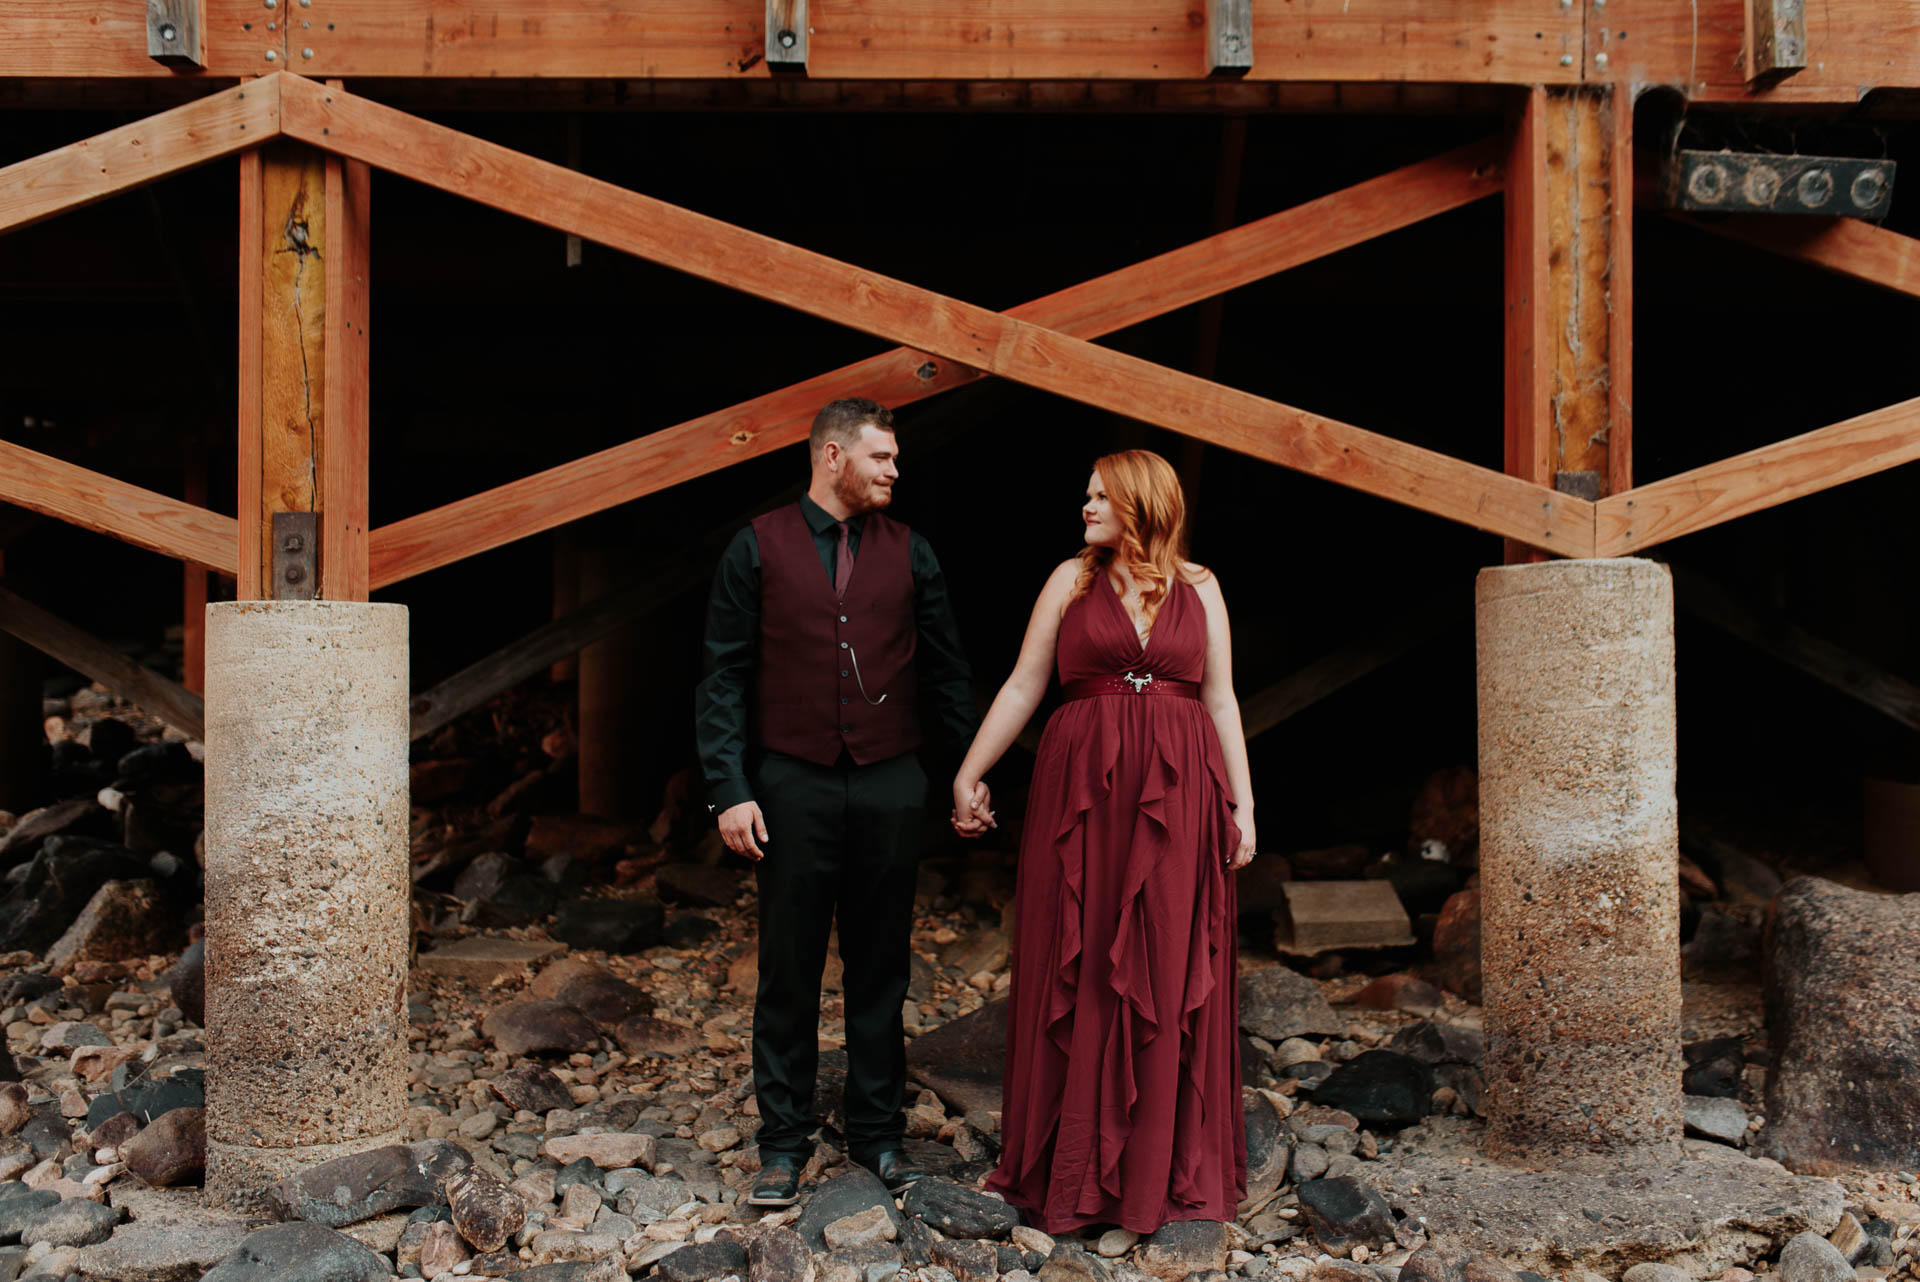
{"x": 83, "y": 652}
{"x": 1697, "y": 46}
{"x": 1469, "y": 41}
{"x": 193, "y": 590}
{"x": 787, "y": 35}
{"x": 127, "y": 512}
{"x": 98, "y": 167}
{"x": 554, "y": 196}
{"x": 250, "y": 581}
{"x": 1846, "y": 246}
{"x": 1819, "y": 658}
{"x": 1528, "y": 451}
{"x": 176, "y": 33}
{"x": 344, "y": 461}
{"x": 1758, "y": 479}
{"x": 1619, "y": 282}
{"x": 1581, "y": 160}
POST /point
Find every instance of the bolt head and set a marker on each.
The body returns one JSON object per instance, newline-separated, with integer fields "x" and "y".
{"x": 273, "y": 55}
{"x": 295, "y": 574}
{"x": 306, "y": 53}
{"x": 787, "y": 39}
{"x": 1600, "y": 60}
{"x": 169, "y": 32}
{"x": 1566, "y": 60}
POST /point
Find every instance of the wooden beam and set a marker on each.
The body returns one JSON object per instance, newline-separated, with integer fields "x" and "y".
{"x": 99, "y": 503}
{"x": 787, "y": 35}
{"x": 1619, "y": 172}
{"x": 1426, "y": 41}
{"x": 1229, "y": 37}
{"x": 151, "y": 692}
{"x": 554, "y": 196}
{"x": 106, "y": 164}
{"x": 1820, "y": 659}
{"x": 176, "y": 34}
{"x": 193, "y": 589}
{"x": 1758, "y": 479}
{"x": 1529, "y": 336}
{"x": 346, "y": 413}
{"x": 1700, "y": 46}
{"x": 1845, "y": 246}
{"x": 250, "y": 582}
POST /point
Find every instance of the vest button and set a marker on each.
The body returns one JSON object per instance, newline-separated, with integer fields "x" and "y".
{"x": 843, "y": 672}
{"x": 845, "y": 701}
{"x": 846, "y": 729}
{"x": 843, "y": 645}
{"x": 843, "y": 618}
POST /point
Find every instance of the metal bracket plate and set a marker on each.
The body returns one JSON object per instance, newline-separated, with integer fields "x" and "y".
{"x": 1740, "y": 182}
{"x": 296, "y": 556}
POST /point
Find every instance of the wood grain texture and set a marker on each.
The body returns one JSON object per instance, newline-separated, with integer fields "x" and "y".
{"x": 249, "y": 581}
{"x": 95, "y": 168}
{"x": 1696, "y": 45}
{"x": 1758, "y": 479}
{"x": 1846, "y": 246}
{"x": 127, "y": 512}
{"x": 295, "y": 250}
{"x": 344, "y": 459}
{"x": 1100, "y": 306}
{"x": 1528, "y": 426}
{"x": 148, "y": 690}
{"x": 1620, "y": 207}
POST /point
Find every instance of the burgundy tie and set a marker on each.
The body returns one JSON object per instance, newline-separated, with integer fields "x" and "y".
{"x": 842, "y": 564}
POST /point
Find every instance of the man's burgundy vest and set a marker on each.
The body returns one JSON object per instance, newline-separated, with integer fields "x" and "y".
{"x": 807, "y": 700}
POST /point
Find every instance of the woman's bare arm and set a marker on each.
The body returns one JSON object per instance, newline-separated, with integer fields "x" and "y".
{"x": 1216, "y": 691}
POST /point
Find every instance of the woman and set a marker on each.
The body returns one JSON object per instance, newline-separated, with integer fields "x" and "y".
{"x": 1122, "y": 1095}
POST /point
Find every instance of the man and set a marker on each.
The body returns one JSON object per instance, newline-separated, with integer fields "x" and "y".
{"x": 828, "y": 625}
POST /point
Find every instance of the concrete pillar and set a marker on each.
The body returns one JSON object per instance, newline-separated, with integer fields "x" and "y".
{"x": 1580, "y": 951}
{"x": 307, "y": 886}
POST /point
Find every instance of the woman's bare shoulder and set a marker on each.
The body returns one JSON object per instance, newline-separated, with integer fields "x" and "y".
{"x": 1197, "y": 574}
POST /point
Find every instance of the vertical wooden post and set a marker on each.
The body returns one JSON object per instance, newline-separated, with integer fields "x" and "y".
{"x": 303, "y": 414}
{"x": 1569, "y": 266}
{"x": 566, "y": 592}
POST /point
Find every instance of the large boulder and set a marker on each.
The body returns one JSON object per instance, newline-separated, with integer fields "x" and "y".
{"x": 1843, "y": 1020}
{"x": 360, "y": 1186}
{"x": 300, "y": 1252}
{"x": 1278, "y": 1002}
{"x": 1456, "y": 945}
{"x": 530, "y": 1027}
{"x": 962, "y": 1061}
{"x": 123, "y": 920}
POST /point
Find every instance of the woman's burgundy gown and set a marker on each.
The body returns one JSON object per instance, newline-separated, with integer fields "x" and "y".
{"x": 1122, "y": 1095}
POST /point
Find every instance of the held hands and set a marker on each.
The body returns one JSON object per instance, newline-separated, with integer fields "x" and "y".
{"x": 972, "y": 807}
{"x": 739, "y": 825}
{"x": 1243, "y": 853}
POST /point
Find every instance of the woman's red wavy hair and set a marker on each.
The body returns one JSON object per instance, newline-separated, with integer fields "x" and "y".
{"x": 1144, "y": 492}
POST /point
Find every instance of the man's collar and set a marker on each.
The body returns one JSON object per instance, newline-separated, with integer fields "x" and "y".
{"x": 819, "y": 520}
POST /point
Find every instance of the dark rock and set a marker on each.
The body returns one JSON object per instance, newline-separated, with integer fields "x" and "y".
{"x": 778, "y": 1255}
{"x": 1070, "y": 1262}
{"x": 610, "y": 925}
{"x": 123, "y": 920}
{"x": 150, "y": 826}
{"x": 47, "y": 1133}
{"x": 360, "y": 1186}
{"x": 115, "y": 1131}
{"x": 1382, "y": 1088}
{"x": 1310, "y": 1071}
{"x": 26, "y": 986}
{"x": 1268, "y": 1145}
{"x": 962, "y": 1060}
{"x": 485, "y": 1211}
{"x": 1844, "y": 1024}
{"x": 696, "y": 885}
{"x": 110, "y": 739}
{"x": 704, "y": 1261}
{"x": 499, "y": 890}
{"x": 688, "y": 930}
{"x": 1466, "y": 1081}
{"x": 598, "y": 994}
{"x": 1277, "y": 1002}
{"x": 1400, "y": 992}
{"x": 1423, "y": 885}
{"x": 300, "y": 1252}
{"x": 582, "y": 1170}
{"x": 74, "y": 1222}
{"x": 643, "y": 1035}
{"x": 1456, "y": 945}
{"x": 154, "y": 765}
{"x": 1183, "y": 1247}
{"x": 1722, "y": 943}
{"x": 916, "y": 1244}
{"x": 959, "y": 1212}
{"x": 149, "y": 1100}
{"x": 81, "y": 816}
{"x": 1432, "y": 1043}
{"x": 1450, "y": 1262}
{"x": 1344, "y": 1213}
{"x": 846, "y": 1194}
{"x": 532, "y": 1087}
{"x": 968, "y": 1260}
{"x": 186, "y": 980}
{"x": 172, "y": 1150}
{"x": 19, "y": 1205}
{"x": 56, "y": 885}
{"x": 1714, "y": 1067}
{"x": 528, "y": 1027}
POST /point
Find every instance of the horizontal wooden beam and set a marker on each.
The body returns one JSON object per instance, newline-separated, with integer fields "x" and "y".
{"x": 83, "y": 652}
{"x": 1847, "y": 246}
{"x": 141, "y": 517}
{"x": 1758, "y": 479}
{"x": 1695, "y": 45}
{"x": 1825, "y": 662}
{"x": 709, "y": 249}
{"x": 1089, "y": 310}
{"x": 95, "y": 168}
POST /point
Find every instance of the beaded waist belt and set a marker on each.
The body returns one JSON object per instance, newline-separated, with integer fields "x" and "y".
{"x": 1130, "y": 684}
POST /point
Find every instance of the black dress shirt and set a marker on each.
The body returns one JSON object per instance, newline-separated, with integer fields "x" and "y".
{"x": 720, "y": 701}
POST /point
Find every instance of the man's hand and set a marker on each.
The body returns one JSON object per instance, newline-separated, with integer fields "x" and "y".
{"x": 972, "y": 807}
{"x": 739, "y": 825}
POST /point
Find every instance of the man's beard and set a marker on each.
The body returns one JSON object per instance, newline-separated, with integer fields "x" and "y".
{"x": 859, "y": 496}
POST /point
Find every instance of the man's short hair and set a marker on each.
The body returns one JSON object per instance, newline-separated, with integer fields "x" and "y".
{"x": 842, "y": 421}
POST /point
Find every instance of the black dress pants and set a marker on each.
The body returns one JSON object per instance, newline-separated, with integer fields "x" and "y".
{"x": 844, "y": 839}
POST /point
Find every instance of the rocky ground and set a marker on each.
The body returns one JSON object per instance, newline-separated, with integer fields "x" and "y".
{"x": 580, "y": 1090}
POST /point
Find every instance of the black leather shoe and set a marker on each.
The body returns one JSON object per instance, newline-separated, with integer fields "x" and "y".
{"x": 895, "y": 1169}
{"x": 778, "y": 1183}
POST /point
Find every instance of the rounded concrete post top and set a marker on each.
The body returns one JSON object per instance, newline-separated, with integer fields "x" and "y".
{"x": 1496, "y": 580}
{"x": 315, "y": 610}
